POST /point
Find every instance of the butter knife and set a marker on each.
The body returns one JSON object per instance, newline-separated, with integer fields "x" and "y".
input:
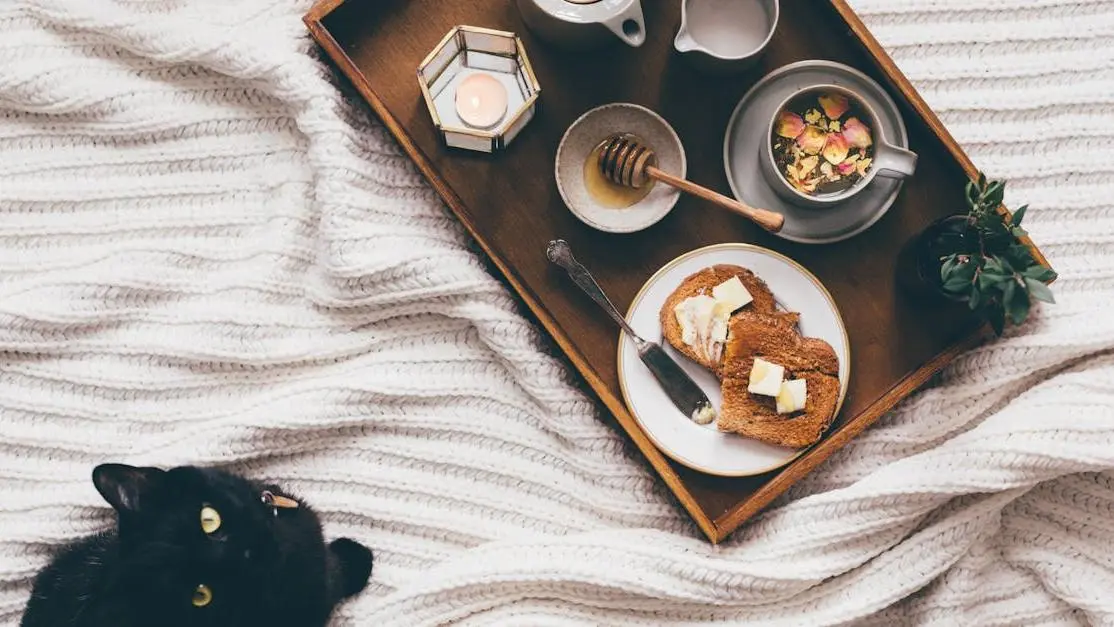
{"x": 681, "y": 389}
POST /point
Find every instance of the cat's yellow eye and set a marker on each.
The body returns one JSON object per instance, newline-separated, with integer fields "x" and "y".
{"x": 202, "y": 596}
{"x": 210, "y": 519}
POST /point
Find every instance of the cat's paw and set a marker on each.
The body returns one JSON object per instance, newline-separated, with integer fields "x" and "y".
{"x": 355, "y": 562}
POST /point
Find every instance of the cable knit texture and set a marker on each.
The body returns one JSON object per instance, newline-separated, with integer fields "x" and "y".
{"x": 211, "y": 253}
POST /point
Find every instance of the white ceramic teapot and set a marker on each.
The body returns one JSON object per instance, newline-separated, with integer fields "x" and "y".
{"x": 585, "y": 23}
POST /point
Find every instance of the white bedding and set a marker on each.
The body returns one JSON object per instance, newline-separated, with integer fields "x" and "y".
{"x": 209, "y": 255}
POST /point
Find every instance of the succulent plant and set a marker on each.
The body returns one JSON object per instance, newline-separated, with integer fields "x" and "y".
{"x": 986, "y": 264}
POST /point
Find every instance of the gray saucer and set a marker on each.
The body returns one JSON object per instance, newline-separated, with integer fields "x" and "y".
{"x": 746, "y": 133}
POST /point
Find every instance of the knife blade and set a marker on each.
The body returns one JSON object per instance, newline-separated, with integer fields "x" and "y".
{"x": 678, "y": 386}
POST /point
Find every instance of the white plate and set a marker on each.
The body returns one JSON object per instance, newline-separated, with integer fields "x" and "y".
{"x": 704, "y": 448}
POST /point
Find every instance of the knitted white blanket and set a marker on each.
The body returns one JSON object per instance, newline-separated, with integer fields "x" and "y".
{"x": 209, "y": 255}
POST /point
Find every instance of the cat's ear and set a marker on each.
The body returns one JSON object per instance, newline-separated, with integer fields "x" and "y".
{"x": 127, "y": 489}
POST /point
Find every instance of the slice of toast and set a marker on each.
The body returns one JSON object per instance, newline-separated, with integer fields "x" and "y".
{"x": 703, "y": 282}
{"x": 753, "y": 334}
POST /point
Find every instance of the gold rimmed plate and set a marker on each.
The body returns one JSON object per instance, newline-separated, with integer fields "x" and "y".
{"x": 705, "y": 448}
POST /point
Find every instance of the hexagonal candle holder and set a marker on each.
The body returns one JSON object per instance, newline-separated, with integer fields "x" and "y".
{"x": 479, "y": 88}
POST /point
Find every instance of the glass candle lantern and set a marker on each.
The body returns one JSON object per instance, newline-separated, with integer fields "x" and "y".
{"x": 479, "y": 88}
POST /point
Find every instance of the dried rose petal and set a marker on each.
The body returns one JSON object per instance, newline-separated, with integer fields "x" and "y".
{"x": 862, "y": 165}
{"x": 807, "y": 165}
{"x": 857, "y": 133}
{"x": 789, "y": 125}
{"x": 812, "y": 140}
{"x": 835, "y": 105}
{"x": 847, "y": 167}
{"x": 836, "y": 149}
{"x": 829, "y": 172}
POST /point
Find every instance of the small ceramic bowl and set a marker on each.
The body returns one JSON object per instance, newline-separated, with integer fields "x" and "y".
{"x": 585, "y": 134}
{"x": 890, "y": 161}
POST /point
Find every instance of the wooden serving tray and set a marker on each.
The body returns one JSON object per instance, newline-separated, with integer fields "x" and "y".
{"x": 509, "y": 202}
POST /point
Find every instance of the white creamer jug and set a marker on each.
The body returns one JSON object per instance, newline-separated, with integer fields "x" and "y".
{"x": 725, "y": 36}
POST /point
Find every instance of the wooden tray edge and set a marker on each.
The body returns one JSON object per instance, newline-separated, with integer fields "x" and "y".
{"x": 323, "y": 38}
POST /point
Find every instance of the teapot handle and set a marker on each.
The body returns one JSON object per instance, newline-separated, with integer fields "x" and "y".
{"x": 630, "y": 25}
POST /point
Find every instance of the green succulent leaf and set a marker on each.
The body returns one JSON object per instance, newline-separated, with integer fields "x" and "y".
{"x": 1017, "y": 304}
{"x": 948, "y": 267}
{"x": 994, "y": 194}
{"x": 959, "y": 279}
{"x": 1019, "y": 256}
{"x": 1019, "y": 215}
{"x": 997, "y": 239}
{"x": 966, "y": 270}
{"x": 974, "y": 298}
{"x": 990, "y": 281}
{"x": 956, "y": 286}
{"x": 1039, "y": 290}
{"x": 996, "y": 315}
{"x": 1039, "y": 273}
{"x": 1008, "y": 290}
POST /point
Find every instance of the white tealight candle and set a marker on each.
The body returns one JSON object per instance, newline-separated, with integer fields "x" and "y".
{"x": 481, "y": 100}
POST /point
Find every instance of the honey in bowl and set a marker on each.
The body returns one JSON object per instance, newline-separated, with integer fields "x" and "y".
{"x": 603, "y": 191}
{"x": 822, "y": 142}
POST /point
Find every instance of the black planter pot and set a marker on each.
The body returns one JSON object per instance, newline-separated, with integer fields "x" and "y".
{"x": 918, "y": 263}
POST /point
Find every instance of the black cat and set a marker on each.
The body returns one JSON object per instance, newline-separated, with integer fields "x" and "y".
{"x": 197, "y": 547}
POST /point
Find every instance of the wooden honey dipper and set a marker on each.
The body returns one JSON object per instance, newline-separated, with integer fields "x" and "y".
{"x": 625, "y": 161}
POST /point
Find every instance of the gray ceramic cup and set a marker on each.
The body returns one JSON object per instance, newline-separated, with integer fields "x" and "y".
{"x": 890, "y": 161}
{"x": 730, "y": 44}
